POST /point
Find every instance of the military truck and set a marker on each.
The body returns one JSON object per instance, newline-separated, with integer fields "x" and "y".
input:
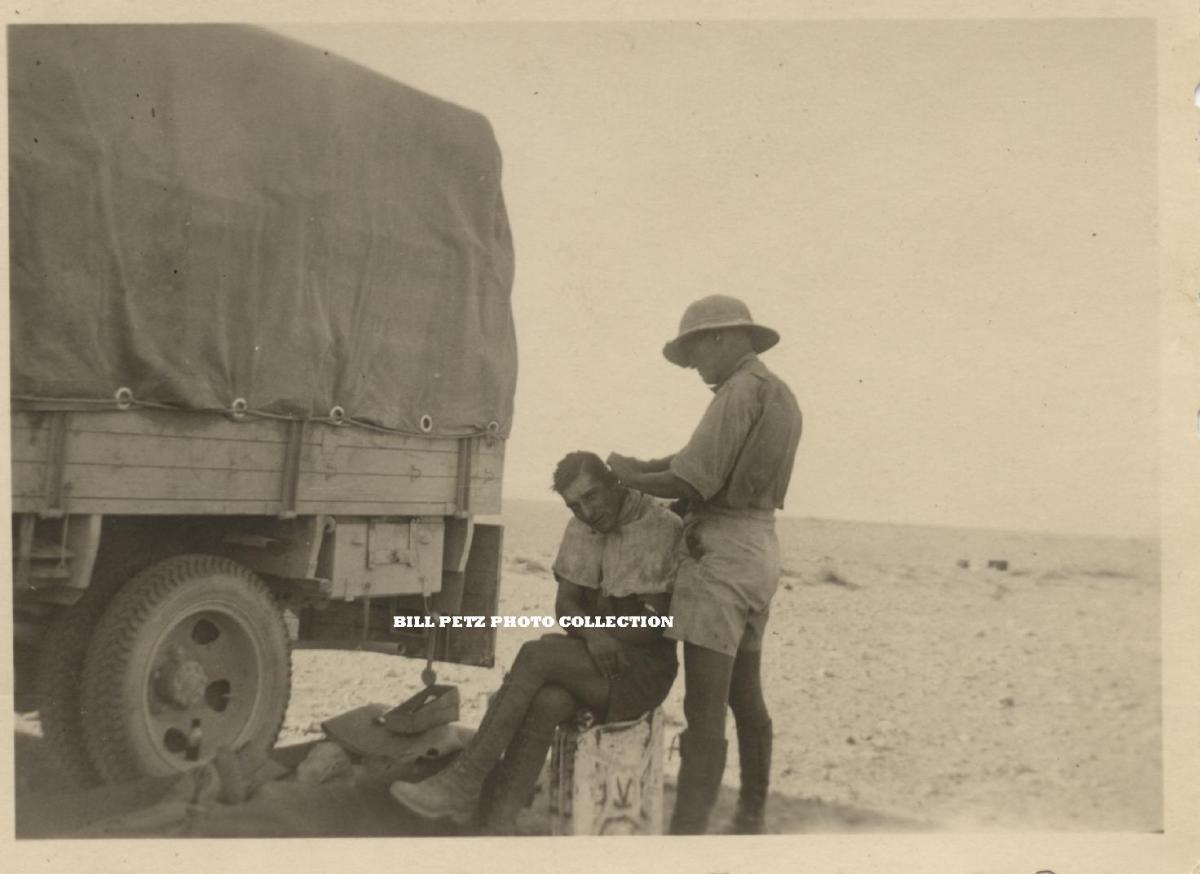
{"x": 263, "y": 365}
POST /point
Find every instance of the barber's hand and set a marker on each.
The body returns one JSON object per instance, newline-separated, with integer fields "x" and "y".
{"x": 607, "y": 654}
{"x": 622, "y": 465}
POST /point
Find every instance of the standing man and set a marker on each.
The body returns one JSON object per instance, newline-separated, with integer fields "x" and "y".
{"x": 734, "y": 474}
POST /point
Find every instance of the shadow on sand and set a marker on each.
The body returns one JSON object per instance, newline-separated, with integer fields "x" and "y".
{"x": 46, "y": 807}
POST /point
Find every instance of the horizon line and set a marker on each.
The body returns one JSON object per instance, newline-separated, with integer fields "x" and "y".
{"x": 1153, "y": 537}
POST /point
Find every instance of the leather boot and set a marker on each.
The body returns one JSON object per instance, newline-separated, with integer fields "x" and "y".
{"x": 515, "y": 779}
{"x": 754, "y": 759}
{"x": 455, "y": 791}
{"x": 701, "y": 764}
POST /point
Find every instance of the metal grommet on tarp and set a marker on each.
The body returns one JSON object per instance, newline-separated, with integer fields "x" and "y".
{"x": 337, "y": 415}
{"x": 426, "y": 423}
{"x": 238, "y": 408}
{"x": 124, "y": 398}
{"x": 492, "y": 434}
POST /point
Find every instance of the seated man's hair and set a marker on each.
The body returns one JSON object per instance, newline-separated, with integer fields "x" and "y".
{"x": 581, "y": 461}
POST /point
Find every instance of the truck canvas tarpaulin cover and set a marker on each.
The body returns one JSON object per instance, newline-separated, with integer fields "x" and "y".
{"x": 208, "y": 213}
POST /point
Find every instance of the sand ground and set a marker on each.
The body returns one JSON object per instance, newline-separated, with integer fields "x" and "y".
{"x": 906, "y": 692}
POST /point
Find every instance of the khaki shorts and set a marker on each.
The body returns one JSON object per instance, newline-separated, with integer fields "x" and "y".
{"x": 714, "y": 625}
{"x": 727, "y": 576}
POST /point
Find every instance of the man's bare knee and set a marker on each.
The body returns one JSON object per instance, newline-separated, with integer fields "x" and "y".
{"x": 534, "y": 657}
{"x": 552, "y": 705}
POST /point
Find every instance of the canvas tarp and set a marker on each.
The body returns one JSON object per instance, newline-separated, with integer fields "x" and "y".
{"x": 202, "y": 213}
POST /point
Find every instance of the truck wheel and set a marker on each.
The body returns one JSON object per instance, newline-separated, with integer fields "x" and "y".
{"x": 59, "y": 672}
{"x": 193, "y": 642}
{"x": 24, "y": 668}
{"x": 60, "y": 666}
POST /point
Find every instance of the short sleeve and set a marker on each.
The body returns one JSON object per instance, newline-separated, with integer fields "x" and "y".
{"x": 580, "y": 555}
{"x": 711, "y": 453}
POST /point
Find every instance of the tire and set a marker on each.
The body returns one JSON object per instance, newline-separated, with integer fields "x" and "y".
{"x": 194, "y": 637}
{"x": 60, "y": 665}
{"x": 24, "y": 669}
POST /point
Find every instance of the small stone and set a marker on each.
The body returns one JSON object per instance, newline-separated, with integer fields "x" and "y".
{"x": 1007, "y": 702}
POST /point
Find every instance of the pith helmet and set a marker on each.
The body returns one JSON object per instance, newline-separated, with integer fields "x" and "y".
{"x": 713, "y": 312}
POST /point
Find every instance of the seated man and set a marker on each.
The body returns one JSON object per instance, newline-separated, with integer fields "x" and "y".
{"x": 617, "y": 558}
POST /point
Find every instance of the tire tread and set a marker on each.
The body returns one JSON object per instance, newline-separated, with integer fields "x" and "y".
{"x": 60, "y": 665}
{"x": 112, "y": 646}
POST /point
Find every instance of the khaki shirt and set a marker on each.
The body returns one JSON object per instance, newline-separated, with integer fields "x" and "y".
{"x": 638, "y": 557}
{"x": 741, "y": 454}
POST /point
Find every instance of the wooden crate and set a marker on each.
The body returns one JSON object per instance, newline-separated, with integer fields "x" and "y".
{"x": 608, "y": 779}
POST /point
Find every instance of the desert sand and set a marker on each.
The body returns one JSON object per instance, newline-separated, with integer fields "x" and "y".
{"x": 907, "y": 692}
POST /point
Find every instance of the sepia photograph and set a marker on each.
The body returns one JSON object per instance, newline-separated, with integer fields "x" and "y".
{"x": 535, "y": 426}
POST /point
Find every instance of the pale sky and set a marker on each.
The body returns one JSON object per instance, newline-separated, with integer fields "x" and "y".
{"x": 950, "y": 223}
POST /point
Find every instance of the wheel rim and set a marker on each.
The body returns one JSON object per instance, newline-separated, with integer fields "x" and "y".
{"x": 208, "y": 665}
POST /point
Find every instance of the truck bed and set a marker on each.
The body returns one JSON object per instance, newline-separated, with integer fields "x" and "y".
{"x": 164, "y": 462}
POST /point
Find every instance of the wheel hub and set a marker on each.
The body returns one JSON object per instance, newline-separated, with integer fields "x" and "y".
{"x": 182, "y": 683}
